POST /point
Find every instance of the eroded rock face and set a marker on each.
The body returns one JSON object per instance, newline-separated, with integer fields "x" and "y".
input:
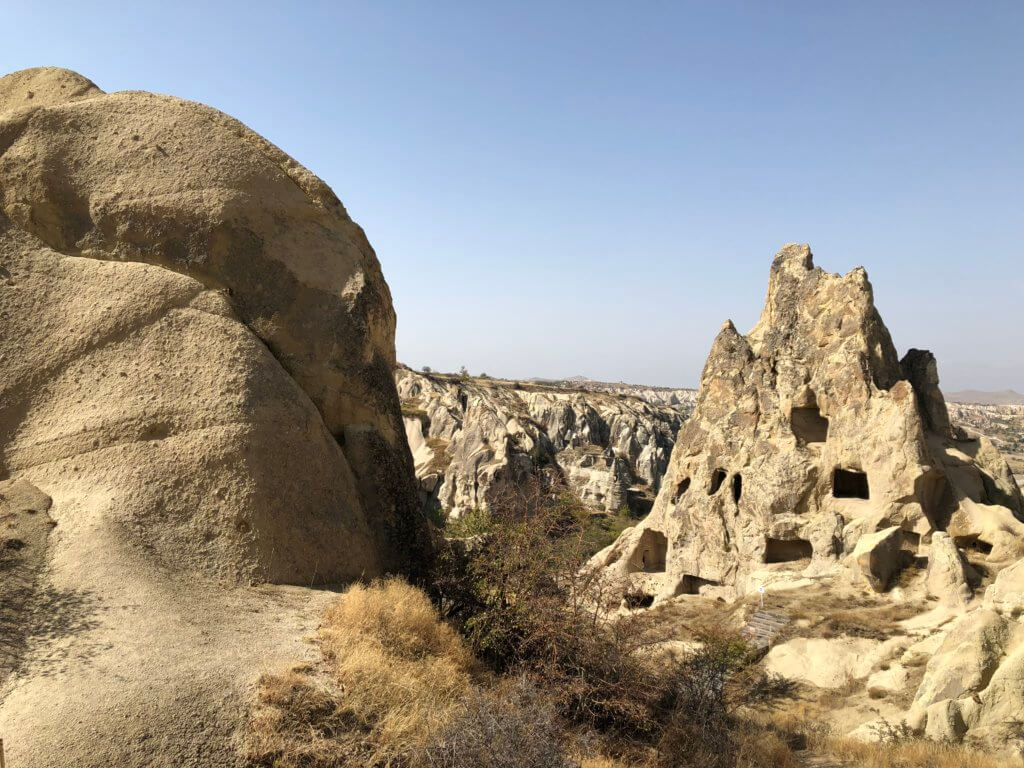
{"x": 972, "y": 689}
{"x": 470, "y": 436}
{"x": 194, "y": 327}
{"x": 196, "y": 351}
{"x": 808, "y": 433}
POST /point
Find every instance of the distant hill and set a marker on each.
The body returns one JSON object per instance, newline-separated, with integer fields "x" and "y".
{"x": 1004, "y": 397}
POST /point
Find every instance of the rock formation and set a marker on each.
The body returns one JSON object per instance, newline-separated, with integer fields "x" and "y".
{"x": 469, "y": 436}
{"x": 196, "y": 348}
{"x": 810, "y": 432}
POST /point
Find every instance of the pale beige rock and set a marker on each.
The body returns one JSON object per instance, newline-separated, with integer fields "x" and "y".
{"x": 256, "y": 239}
{"x": 1006, "y": 593}
{"x": 808, "y": 434}
{"x": 974, "y": 683}
{"x": 826, "y": 663}
{"x": 196, "y": 347}
{"x": 892, "y": 679}
{"x": 471, "y": 436}
{"x": 948, "y": 577}
{"x": 879, "y": 556}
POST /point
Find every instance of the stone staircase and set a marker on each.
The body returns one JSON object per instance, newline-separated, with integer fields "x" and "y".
{"x": 763, "y": 627}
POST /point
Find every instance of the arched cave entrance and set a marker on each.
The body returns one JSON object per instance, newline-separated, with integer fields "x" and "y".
{"x": 650, "y": 552}
{"x": 717, "y": 478}
{"x": 737, "y": 487}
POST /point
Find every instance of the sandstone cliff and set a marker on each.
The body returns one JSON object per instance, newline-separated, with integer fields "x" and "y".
{"x": 469, "y": 436}
{"x": 809, "y": 433}
{"x": 197, "y": 347}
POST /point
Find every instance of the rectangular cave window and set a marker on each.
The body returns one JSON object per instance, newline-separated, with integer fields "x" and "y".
{"x": 971, "y": 541}
{"x": 650, "y": 552}
{"x": 808, "y": 425}
{"x": 787, "y": 550}
{"x": 717, "y": 478}
{"x": 691, "y": 585}
{"x": 737, "y": 487}
{"x": 682, "y": 488}
{"x": 849, "y": 484}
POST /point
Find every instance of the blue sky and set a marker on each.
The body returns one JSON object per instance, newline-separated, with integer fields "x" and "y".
{"x": 593, "y": 188}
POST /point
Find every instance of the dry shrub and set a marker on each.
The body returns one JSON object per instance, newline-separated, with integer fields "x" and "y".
{"x": 403, "y": 671}
{"x": 393, "y": 676}
{"x": 509, "y": 726}
{"x": 716, "y": 690}
{"x": 521, "y": 597}
{"x": 758, "y": 747}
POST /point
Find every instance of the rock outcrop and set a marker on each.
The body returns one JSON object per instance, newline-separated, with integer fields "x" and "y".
{"x": 196, "y": 356}
{"x": 176, "y": 288}
{"x": 810, "y": 432}
{"x": 471, "y": 436}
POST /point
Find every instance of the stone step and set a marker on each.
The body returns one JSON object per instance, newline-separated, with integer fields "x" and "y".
{"x": 764, "y": 626}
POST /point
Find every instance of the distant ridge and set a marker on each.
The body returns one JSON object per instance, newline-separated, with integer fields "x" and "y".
{"x": 980, "y": 397}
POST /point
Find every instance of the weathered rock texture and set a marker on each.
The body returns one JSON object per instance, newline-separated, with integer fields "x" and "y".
{"x": 808, "y": 433}
{"x": 192, "y": 318}
{"x": 470, "y": 436}
{"x": 196, "y": 354}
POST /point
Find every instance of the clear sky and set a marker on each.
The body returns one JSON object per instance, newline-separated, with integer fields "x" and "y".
{"x": 560, "y": 188}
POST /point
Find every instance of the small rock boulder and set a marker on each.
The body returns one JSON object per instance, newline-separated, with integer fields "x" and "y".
{"x": 1007, "y": 592}
{"x": 949, "y": 576}
{"x": 879, "y": 556}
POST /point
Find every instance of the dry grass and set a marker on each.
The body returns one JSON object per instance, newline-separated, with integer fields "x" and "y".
{"x": 824, "y": 613}
{"x": 393, "y": 675}
{"x": 403, "y": 671}
{"x": 915, "y": 753}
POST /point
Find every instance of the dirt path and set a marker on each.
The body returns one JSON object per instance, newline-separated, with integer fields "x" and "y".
{"x": 124, "y": 663}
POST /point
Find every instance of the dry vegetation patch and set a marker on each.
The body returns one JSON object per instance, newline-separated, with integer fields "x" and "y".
{"x": 913, "y": 753}
{"x": 392, "y": 676}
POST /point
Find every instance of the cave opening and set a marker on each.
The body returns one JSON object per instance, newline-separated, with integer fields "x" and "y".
{"x": 737, "y": 487}
{"x": 787, "y": 550}
{"x": 808, "y": 425}
{"x": 650, "y": 552}
{"x": 682, "y": 488}
{"x": 691, "y": 585}
{"x": 972, "y": 542}
{"x": 717, "y": 478}
{"x": 849, "y": 484}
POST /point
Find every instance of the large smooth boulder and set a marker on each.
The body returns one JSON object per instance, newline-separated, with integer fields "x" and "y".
{"x": 196, "y": 352}
{"x": 262, "y": 312}
{"x": 973, "y": 686}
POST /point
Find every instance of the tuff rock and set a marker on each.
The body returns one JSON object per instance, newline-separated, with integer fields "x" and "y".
{"x": 196, "y": 355}
{"x": 471, "y": 437}
{"x": 808, "y": 433}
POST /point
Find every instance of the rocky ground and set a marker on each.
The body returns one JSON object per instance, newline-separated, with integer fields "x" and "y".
{"x": 822, "y": 468}
{"x": 609, "y": 443}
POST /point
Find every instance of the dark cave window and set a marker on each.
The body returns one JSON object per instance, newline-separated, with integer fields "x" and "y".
{"x": 717, "y": 478}
{"x": 787, "y": 550}
{"x": 849, "y": 484}
{"x": 737, "y": 487}
{"x": 972, "y": 542}
{"x": 808, "y": 425}
{"x": 682, "y": 488}
{"x": 690, "y": 585}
